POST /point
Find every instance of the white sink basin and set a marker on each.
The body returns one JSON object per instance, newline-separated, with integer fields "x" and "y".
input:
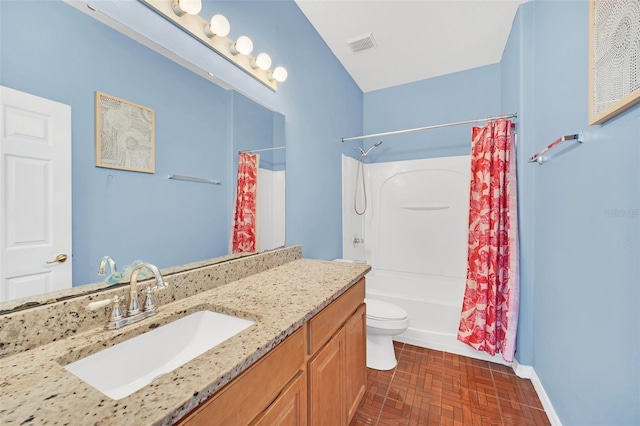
{"x": 126, "y": 367}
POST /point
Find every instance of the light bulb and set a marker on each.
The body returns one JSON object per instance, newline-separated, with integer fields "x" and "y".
{"x": 262, "y": 61}
{"x": 192, "y": 7}
{"x": 218, "y": 26}
{"x": 279, "y": 74}
{"x": 243, "y": 45}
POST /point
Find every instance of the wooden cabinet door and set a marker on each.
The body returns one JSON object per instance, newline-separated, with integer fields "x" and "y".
{"x": 327, "y": 405}
{"x": 251, "y": 393}
{"x": 290, "y": 409}
{"x": 355, "y": 360}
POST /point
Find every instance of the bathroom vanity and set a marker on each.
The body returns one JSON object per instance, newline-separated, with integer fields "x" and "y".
{"x": 319, "y": 373}
{"x": 301, "y": 362}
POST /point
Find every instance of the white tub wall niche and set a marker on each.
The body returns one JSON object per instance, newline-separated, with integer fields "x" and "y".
{"x": 415, "y": 230}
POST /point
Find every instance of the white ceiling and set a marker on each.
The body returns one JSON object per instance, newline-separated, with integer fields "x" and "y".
{"x": 416, "y": 39}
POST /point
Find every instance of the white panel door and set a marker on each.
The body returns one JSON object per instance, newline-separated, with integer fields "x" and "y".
{"x": 35, "y": 195}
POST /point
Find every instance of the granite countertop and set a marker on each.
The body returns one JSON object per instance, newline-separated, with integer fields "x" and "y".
{"x": 36, "y": 389}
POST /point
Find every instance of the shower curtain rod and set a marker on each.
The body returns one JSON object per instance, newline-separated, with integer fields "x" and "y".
{"x": 374, "y": 135}
{"x": 260, "y": 150}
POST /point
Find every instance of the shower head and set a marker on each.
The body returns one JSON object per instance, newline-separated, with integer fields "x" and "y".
{"x": 365, "y": 153}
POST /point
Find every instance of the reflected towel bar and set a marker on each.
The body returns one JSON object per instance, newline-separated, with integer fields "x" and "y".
{"x": 537, "y": 158}
{"x": 194, "y": 179}
{"x": 261, "y": 150}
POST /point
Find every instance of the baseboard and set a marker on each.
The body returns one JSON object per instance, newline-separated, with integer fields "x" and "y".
{"x": 524, "y": 371}
{"x": 528, "y": 372}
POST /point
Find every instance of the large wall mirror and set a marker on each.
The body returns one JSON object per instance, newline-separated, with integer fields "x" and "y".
{"x": 199, "y": 130}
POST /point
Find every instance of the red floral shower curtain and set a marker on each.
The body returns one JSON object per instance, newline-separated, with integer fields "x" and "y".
{"x": 243, "y": 232}
{"x": 490, "y": 307}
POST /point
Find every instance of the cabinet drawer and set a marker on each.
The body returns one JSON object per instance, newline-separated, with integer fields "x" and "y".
{"x": 330, "y": 319}
{"x": 250, "y": 394}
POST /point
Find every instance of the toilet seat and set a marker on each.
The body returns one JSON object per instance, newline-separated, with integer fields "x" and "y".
{"x": 380, "y": 310}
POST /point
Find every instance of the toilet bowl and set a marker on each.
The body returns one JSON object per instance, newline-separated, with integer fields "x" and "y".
{"x": 384, "y": 320}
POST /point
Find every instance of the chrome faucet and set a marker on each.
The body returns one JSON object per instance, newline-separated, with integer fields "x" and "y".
{"x": 103, "y": 264}
{"x": 134, "y": 313}
{"x": 134, "y": 306}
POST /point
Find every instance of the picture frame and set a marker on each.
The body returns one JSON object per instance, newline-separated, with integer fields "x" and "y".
{"x": 614, "y": 74}
{"x": 125, "y": 134}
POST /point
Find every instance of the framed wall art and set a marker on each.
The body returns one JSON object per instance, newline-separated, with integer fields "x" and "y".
{"x": 125, "y": 135}
{"x": 614, "y": 58}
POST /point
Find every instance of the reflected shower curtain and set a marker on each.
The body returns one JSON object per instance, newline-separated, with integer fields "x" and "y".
{"x": 490, "y": 307}
{"x": 244, "y": 228}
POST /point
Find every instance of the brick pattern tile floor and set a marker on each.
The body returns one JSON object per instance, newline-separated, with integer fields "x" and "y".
{"x": 430, "y": 387}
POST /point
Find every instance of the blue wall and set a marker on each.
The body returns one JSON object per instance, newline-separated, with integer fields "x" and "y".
{"x": 460, "y": 96}
{"x": 580, "y": 224}
{"x": 252, "y": 125}
{"x": 127, "y": 215}
{"x": 321, "y": 104}
{"x": 175, "y": 222}
{"x": 255, "y": 127}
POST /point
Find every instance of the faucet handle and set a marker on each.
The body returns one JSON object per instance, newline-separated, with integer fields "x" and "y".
{"x": 148, "y": 302}
{"x": 93, "y": 306}
{"x": 116, "y": 313}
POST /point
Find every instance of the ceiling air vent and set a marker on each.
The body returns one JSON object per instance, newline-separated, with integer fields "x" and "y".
{"x": 362, "y": 43}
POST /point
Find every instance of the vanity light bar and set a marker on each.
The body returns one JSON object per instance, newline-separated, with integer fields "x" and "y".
{"x": 195, "y": 25}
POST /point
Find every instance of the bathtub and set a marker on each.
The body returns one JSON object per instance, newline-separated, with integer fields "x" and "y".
{"x": 433, "y": 304}
{"x": 415, "y": 239}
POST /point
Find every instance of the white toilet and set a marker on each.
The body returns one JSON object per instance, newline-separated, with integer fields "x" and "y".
{"x": 384, "y": 320}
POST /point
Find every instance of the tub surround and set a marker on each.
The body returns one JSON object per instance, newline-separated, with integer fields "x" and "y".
{"x": 423, "y": 276}
{"x": 36, "y": 388}
{"x": 69, "y": 317}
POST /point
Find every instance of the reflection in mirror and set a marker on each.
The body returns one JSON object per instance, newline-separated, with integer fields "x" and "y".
{"x": 250, "y": 120}
{"x": 11, "y": 306}
{"x": 271, "y": 190}
{"x": 129, "y": 215}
